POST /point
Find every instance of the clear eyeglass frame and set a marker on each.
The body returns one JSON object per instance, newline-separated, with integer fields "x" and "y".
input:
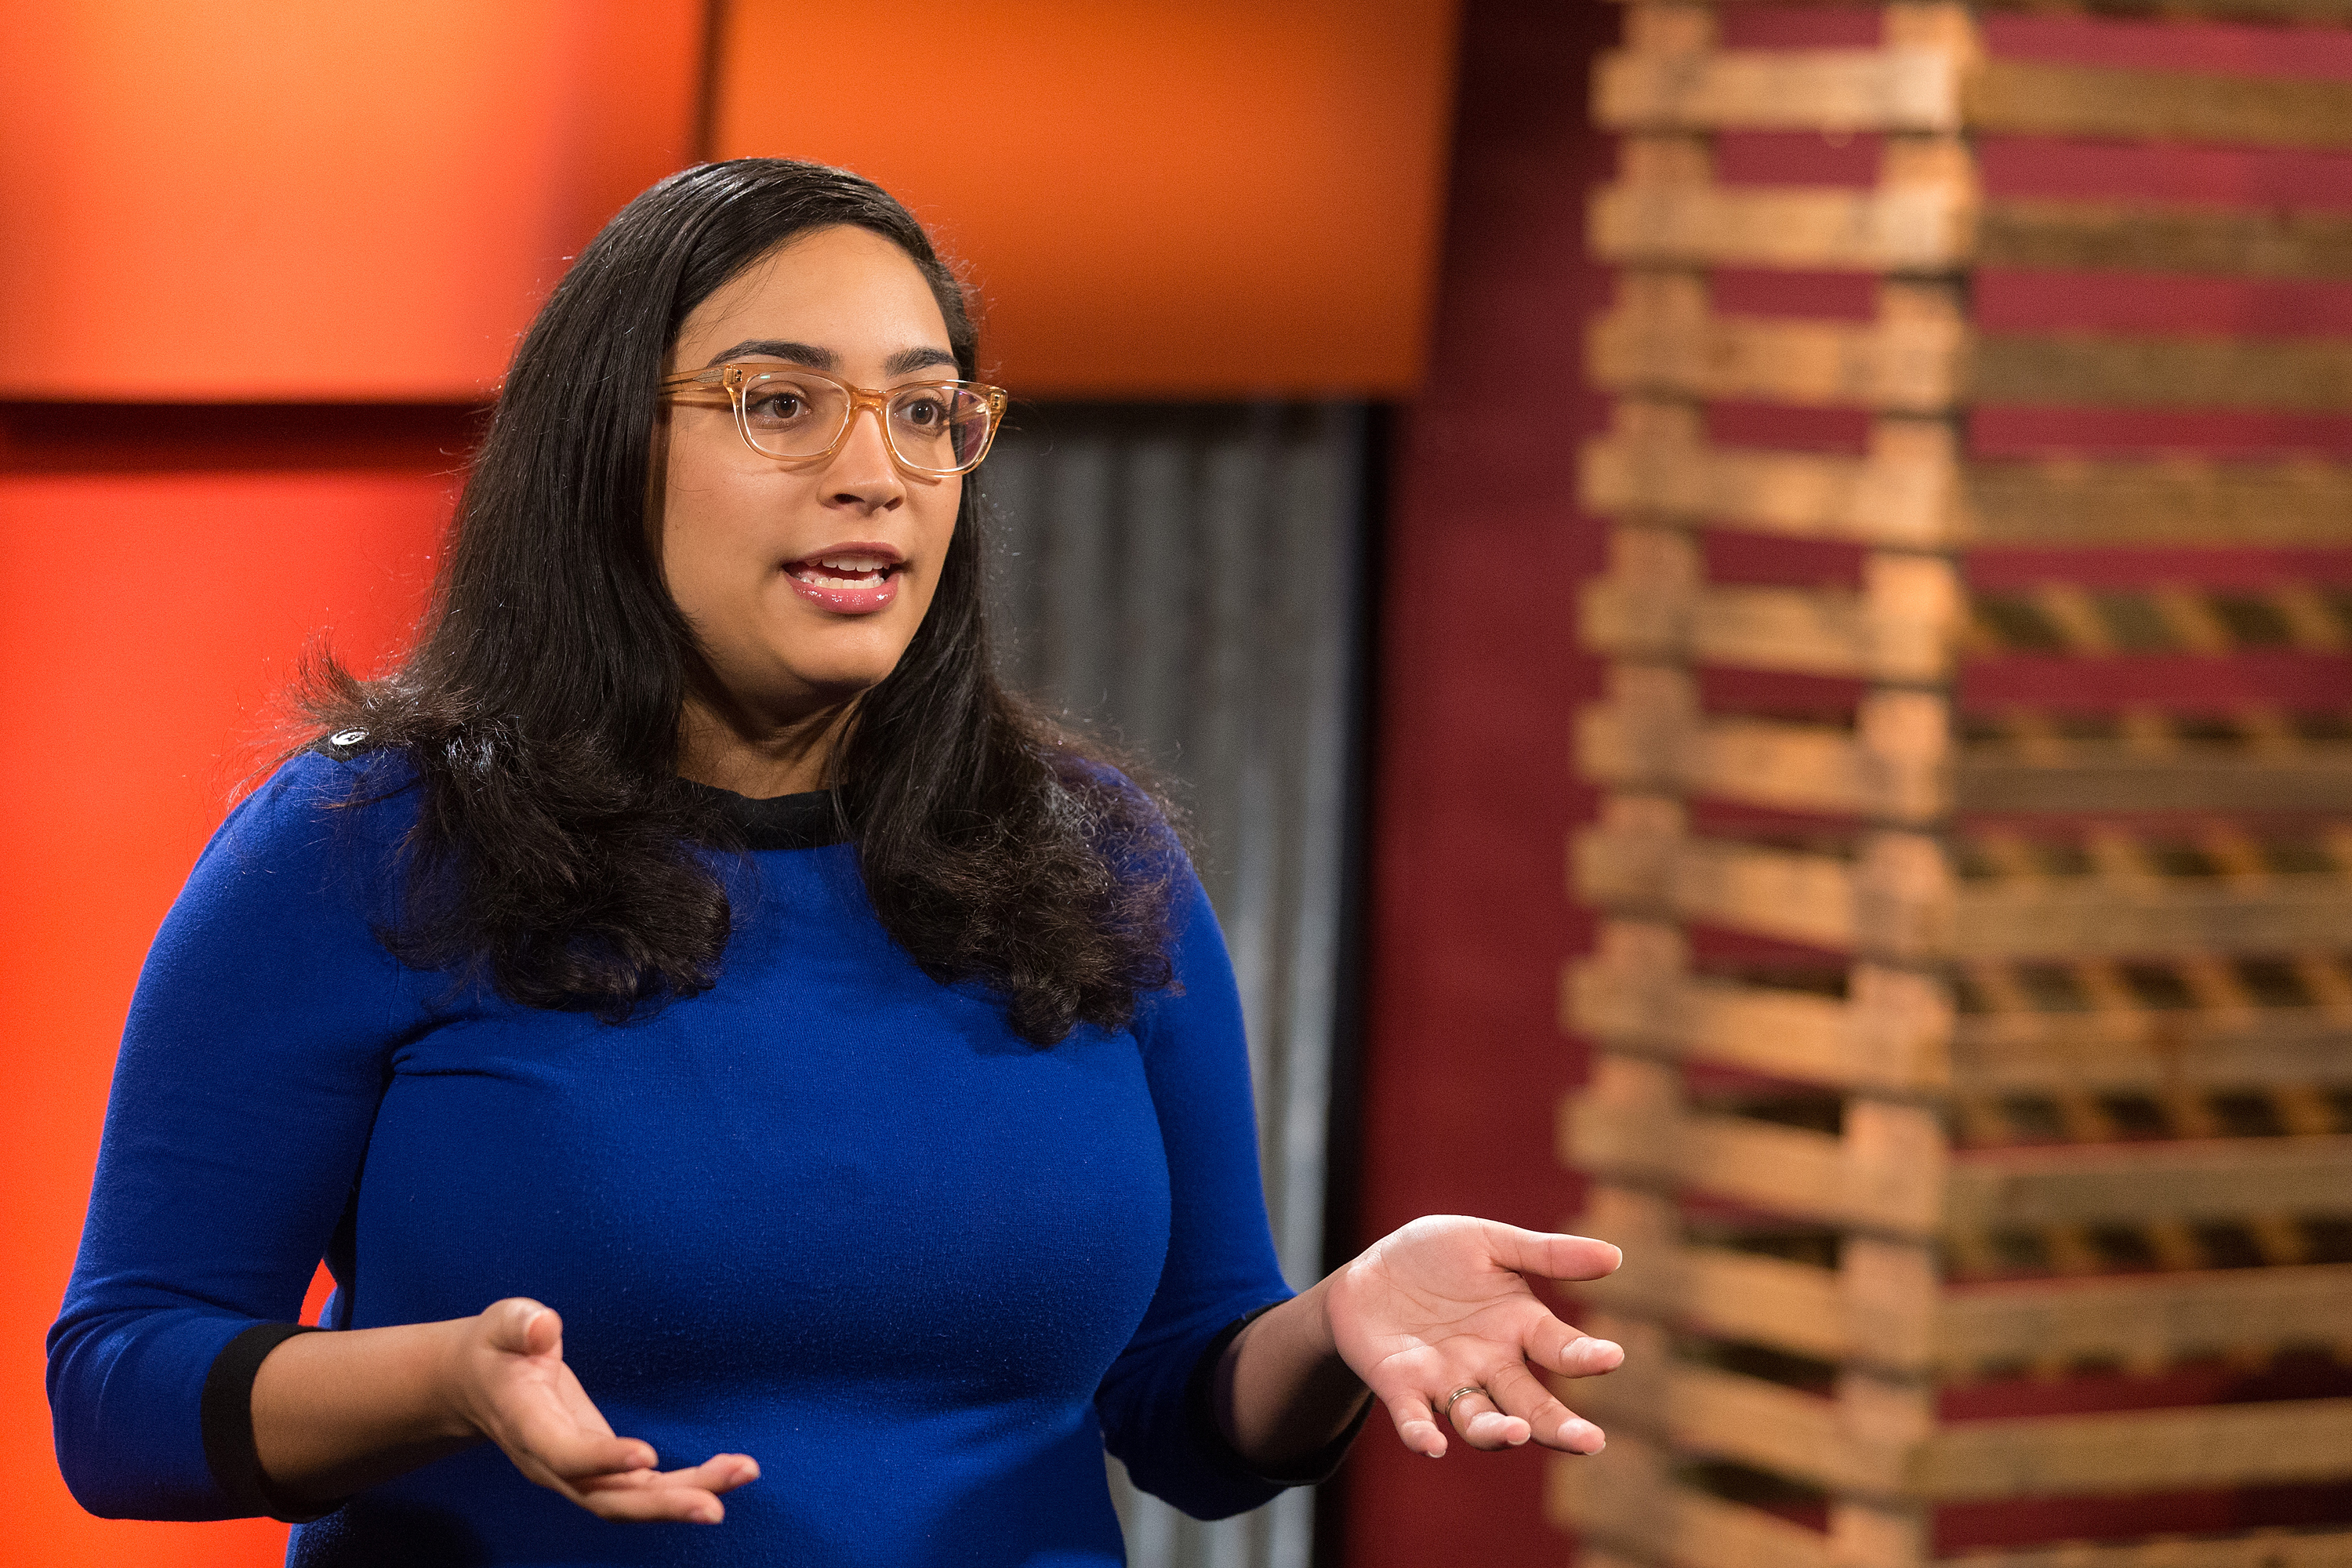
{"x": 739, "y": 378}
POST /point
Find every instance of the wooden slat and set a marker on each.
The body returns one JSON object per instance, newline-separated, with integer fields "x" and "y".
{"x": 2221, "y": 1178}
{"x": 1787, "y": 765}
{"x": 1657, "y": 463}
{"x": 1636, "y": 860}
{"x": 2088, "y": 917}
{"x": 2036, "y": 97}
{"x": 1917, "y": 1327}
{"x": 1888, "y": 1171}
{"x": 2153, "y": 236}
{"x": 1901, "y": 1035}
{"x": 2283, "y": 1442}
{"x": 2116, "y": 371}
{"x": 1898, "y": 1033}
{"x": 2144, "y": 1319}
{"x": 1919, "y": 229}
{"x": 1932, "y": 228}
{"x": 1919, "y": 88}
{"x": 1900, "y": 899}
{"x": 2180, "y": 501}
{"x": 2096, "y": 778}
{"x": 1660, "y": 338}
{"x": 1820, "y": 1442}
{"x": 1912, "y": 493}
{"x": 1836, "y": 1181}
{"x": 1629, "y": 1497}
{"x": 1889, "y": 768}
{"x": 1636, "y": 992}
{"x": 1902, "y": 626}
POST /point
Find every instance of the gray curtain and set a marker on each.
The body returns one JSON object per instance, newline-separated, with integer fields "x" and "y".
{"x": 1186, "y": 581}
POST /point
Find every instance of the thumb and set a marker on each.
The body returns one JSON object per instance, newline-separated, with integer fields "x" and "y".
{"x": 521, "y": 1326}
{"x": 1548, "y": 1256}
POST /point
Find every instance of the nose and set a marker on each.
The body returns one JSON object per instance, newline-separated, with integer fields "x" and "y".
{"x": 863, "y": 475}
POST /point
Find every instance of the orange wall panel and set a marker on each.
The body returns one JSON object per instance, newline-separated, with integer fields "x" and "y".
{"x": 282, "y": 200}
{"x": 1159, "y": 198}
{"x": 146, "y": 623}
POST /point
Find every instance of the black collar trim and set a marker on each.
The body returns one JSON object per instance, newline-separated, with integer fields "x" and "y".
{"x": 808, "y": 821}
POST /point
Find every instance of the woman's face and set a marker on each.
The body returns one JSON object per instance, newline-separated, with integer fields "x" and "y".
{"x": 806, "y": 581}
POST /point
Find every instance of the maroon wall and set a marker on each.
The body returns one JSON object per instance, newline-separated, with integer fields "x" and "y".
{"x": 1473, "y": 793}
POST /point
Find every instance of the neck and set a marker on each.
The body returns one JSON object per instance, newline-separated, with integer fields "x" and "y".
{"x": 729, "y": 748}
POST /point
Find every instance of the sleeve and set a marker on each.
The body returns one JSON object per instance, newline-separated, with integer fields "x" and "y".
{"x": 252, "y": 1063}
{"x": 1221, "y": 1267}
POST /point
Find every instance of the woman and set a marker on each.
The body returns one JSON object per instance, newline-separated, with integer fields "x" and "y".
{"x": 692, "y": 936}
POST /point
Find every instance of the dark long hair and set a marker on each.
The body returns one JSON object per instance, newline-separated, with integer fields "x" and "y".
{"x": 556, "y": 854}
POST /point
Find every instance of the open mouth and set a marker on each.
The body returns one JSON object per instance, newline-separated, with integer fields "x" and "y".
{"x": 848, "y": 580}
{"x": 844, "y": 571}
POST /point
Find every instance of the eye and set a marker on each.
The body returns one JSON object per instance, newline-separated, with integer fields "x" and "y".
{"x": 923, "y": 411}
{"x": 775, "y": 404}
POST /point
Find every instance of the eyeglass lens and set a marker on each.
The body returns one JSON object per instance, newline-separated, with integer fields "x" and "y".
{"x": 937, "y": 427}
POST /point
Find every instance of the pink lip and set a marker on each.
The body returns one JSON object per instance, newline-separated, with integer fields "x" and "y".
{"x": 856, "y": 601}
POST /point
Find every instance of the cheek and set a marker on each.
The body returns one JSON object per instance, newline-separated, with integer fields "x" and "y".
{"x": 709, "y": 552}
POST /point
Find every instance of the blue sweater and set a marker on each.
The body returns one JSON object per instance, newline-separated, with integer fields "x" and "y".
{"x": 830, "y": 1214}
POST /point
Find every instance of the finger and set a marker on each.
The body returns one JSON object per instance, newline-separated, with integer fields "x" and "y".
{"x": 1548, "y": 1256}
{"x": 1565, "y": 1349}
{"x": 521, "y": 1326}
{"x": 572, "y": 1454}
{"x": 1483, "y": 1424}
{"x": 1416, "y": 1425}
{"x": 651, "y": 1501}
{"x": 725, "y": 1472}
{"x": 719, "y": 1473}
{"x": 1520, "y": 1392}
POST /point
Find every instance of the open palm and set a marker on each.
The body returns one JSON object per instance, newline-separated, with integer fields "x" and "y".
{"x": 519, "y": 1393}
{"x": 1443, "y": 1305}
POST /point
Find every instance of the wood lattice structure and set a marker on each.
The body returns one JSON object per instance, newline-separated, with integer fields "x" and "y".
{"x": 2027, "y": 1060}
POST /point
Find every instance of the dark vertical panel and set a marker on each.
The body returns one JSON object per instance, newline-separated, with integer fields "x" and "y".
{"x": 1479, "y": 675}
{"x": 1184, "y": 580}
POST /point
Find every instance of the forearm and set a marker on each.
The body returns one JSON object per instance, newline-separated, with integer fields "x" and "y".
{"x": 335, "y": 1413}
{"x": 1283, "y": 1393}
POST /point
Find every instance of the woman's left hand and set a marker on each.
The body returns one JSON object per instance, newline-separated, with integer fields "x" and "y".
{"x": 1443, "y": 1305}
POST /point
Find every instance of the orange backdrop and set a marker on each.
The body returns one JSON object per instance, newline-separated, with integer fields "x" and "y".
{"x": 283, "y": 200}
{"x": 1170, "y": 198}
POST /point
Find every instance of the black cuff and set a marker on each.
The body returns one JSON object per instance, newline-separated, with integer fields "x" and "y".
{"x": 1201, "y": 1409}
{"x": 226, "y": 1413}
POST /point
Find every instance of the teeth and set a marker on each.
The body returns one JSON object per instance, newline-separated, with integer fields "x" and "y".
{"x": 843, "y": 571}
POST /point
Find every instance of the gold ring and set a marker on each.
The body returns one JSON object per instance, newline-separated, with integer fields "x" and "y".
{"x": 1457, "y": 1393}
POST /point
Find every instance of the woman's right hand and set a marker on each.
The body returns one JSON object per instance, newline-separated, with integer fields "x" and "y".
{"x": 506, "y": 1379}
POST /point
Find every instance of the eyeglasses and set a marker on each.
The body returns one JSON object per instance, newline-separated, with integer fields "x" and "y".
{"x": 936, "y": 427}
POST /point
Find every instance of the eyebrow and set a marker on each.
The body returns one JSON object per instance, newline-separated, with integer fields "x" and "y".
{"x": 815, "y": 357}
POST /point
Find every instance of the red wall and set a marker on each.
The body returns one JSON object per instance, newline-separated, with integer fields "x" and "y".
{"x": 148, "y": 609}
{"x": 1478, "y": 676}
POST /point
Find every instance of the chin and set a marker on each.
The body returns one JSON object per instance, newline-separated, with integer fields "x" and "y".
{"x": 838, "y": 680}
